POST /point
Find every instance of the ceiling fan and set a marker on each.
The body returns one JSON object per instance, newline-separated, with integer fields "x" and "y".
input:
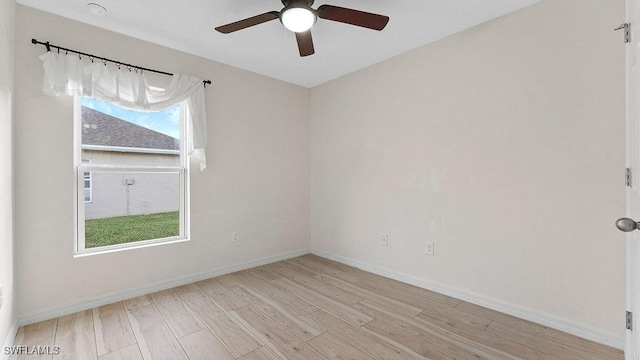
{"x": 299, "y": 17}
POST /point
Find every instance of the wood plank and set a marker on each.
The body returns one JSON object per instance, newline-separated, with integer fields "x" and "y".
{"x": 181, "y": 320}
{"x": 386, "y": 315}
{"x": 541, "y": 331}
{"x": 284, "y": 341}
{"x": 326, "y": 289}
{"x": 76, "y": 340}
{"x": 549, "y": 347}
{"x": 112, "y": 329}
{"x": 224, "y": 296}
{"x": 333, "y": 348}
{"x": 299, "y": 326}
{"x": 431, "y": 347}
{"x": 262, "y": 353}
{"x": 267, "y": 272}
{"x": 192, "y": 294}
{"x": 38, "y": 334}
{"x": 233, "y": 279}
{"x": 42, "y": 333}
{"x": 283, "y": 296}
{"x": 445, "y": 315}
{"x": 336, "y": 265}
{"x": 131, "y": 352}
{"x": 74, "y": 316}
{"x": 301, "y": 270}
{"x": 480, "y": 339}
{"x": 431, "y": 331}
{"x": 320, "y": 268}
{"x": 235, "y": 338}
{"x": 408, "y": 293}
{"x": 136, "y": 302}
{"x": 204, "y": 345}
{"x": 155, "y": 339}
{"x": 257, "y": 334}
{"x": 242, "y": 292}
{"x": 358, "y": 338}
{"x": 372, "y": 297}
{"x": 336, "y": 308}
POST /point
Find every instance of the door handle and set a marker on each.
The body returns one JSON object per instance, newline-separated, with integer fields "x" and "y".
{"x": 627, "y": 225}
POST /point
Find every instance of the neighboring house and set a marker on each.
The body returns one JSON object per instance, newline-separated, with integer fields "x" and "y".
{"x": 107, "y": 139}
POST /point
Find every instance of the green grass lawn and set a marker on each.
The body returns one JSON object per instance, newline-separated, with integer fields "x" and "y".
{"x": 126, "y": 229}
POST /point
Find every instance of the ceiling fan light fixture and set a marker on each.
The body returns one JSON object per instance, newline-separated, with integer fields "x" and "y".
{"x": 298, "y": 18}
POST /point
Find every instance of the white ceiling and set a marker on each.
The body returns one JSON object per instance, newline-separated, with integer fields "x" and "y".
{"x": 268, "y": 49}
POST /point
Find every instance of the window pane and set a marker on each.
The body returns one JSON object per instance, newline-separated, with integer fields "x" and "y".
{"x": 128, "y": 194}
{"x": 131, "y": 207}
{"x": 87, "y": 195}
{"x": 87, "y": 182}
{"x": 116, "y": 136}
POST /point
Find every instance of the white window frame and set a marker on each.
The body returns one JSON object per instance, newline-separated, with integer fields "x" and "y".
{"x": 182, "y": 170}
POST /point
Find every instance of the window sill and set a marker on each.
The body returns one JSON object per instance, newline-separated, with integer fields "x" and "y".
{"x": 130, "y": 246}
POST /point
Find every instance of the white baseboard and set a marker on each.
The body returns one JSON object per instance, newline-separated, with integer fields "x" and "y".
{"x": 57, "y": 311}
{"x": 9, "y": 341}
{"x": 552, "y": 321}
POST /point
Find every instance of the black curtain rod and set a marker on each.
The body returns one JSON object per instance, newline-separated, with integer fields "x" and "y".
{"x": 90, "y": 56}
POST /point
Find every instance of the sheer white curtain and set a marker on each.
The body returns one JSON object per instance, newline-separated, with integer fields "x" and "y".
{"x": 67, "y": 74}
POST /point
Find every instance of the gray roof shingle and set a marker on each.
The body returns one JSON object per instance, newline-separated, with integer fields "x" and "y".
{"x": 105, "y": 130}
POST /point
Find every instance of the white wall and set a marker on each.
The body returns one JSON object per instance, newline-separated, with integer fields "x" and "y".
{"x": 8, "y": 317}
{"x": 256, "y": 183}
{"x": 504, "y": 145}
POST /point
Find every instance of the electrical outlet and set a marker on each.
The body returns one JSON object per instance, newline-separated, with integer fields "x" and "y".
{"x": 235, "y": 237}
{"x": 429, "y": 248}
{"x": 385, "y": 240}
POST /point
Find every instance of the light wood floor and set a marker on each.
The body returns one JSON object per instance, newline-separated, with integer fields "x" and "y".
{"x": 304, "y": 308}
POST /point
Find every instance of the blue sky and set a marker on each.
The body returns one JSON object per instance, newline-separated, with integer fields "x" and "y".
{"x": 165, "y": 121}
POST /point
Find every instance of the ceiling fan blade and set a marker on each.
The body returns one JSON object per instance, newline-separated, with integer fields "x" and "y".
{"x": 353, "y": 17}
{"x": 243, "y": 24}
{"x": 305, "y": 43}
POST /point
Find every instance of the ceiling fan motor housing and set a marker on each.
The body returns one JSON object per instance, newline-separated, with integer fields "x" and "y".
{"x": 292, "y": 2}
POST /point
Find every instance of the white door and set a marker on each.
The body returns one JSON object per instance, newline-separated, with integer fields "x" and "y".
{"x": 632, "y": 350}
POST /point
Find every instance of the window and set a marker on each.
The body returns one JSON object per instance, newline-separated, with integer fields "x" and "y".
{"x": 132, "y": 176}
{"x": 87, "y": 183}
